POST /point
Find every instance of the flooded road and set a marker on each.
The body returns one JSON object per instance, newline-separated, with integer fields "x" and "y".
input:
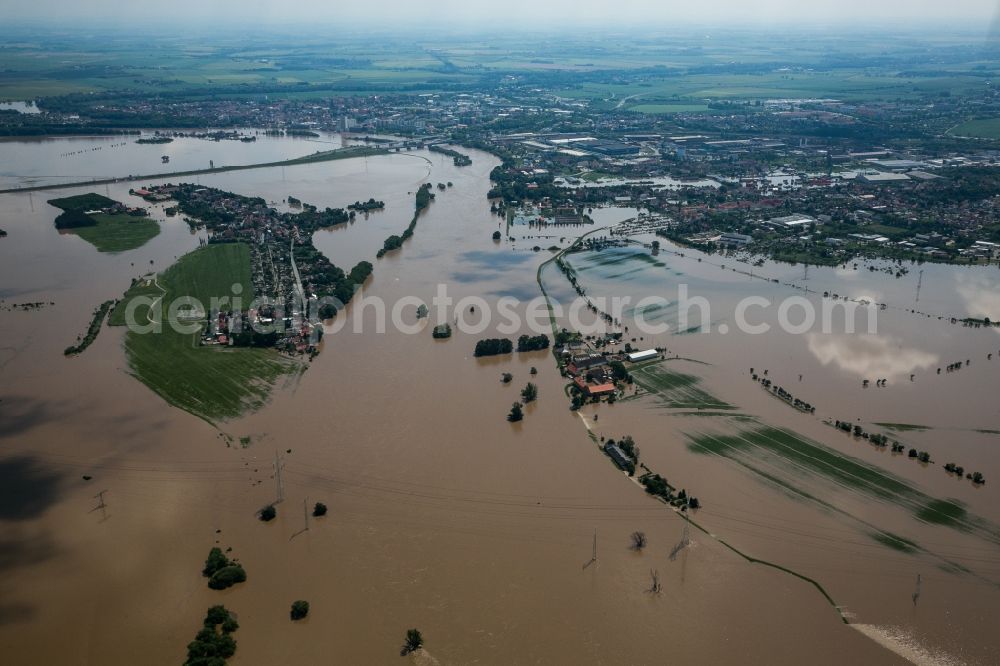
{"x": 443, "y": 516}
{"x": 51, "y": 161}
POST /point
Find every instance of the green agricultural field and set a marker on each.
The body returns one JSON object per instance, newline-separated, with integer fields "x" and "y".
{"x": 795, "y": 463}
{"x": 852, "y": 85}
{"x": 311, "y": 64}
{"x": 661, "y": 109}
{"x": 676, "y": 389}
{"x": 214, "y": 383}
{"x": 118, "y": 233}
{"x": 984, "y": 128}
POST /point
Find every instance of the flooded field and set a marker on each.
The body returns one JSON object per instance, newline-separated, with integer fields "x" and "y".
{"x": 444, "y": 516}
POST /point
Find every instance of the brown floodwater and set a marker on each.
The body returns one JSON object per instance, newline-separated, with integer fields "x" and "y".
{"x": 54, "y": 160}
{"x": 443, "y": 516}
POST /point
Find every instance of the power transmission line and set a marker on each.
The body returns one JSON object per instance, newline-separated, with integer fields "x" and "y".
{"x": 101, "y": 504}
{"x": 593, "y": 556}
{"x": 684, "y": 542}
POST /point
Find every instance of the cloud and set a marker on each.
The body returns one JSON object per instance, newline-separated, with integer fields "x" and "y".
{"x": 869, "y": 356}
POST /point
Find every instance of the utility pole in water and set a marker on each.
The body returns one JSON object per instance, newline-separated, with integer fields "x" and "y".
{"x": 683, "y": 543}
{"x": 101, "y": 505}
{"x": 593, "y": 555}
{"x": 916, "y": 591}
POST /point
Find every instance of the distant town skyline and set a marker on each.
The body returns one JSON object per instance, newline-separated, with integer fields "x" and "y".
{"x": 549, "y": 14}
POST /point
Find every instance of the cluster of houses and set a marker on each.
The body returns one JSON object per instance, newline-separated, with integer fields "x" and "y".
{"x": 804, "y": 229}
{"x": 281, "y": 321}
{"x": 158, "y": 195}
{"x": 217, "y": 331}
{"x": 118, "y": 208}
{"x": 592, "y": 373}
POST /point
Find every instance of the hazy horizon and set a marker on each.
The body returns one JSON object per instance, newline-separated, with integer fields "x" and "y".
{"x": 552, "y": 15}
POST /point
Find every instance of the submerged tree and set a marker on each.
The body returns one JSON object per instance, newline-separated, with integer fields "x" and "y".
{"x": 227, "y": 577}
{"x": 214, "y": 643}
{"x": 516, "y": 413}
{"x": 638, "y": 540}
{"x": 655, "y": 586}
{"x": 414, "y": 641}
{"x": 216, "y": 560}
{"x": 529, "y": 393}
{"x": 299, "y": 610}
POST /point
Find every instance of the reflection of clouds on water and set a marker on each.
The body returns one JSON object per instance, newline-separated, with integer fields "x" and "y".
{"x": 480, "y": 266}
{"x": 866, "y": 296}
{"x": 979, "y": 294}
{"x": 869, "y": 356}
{"x": 846, "y": 272}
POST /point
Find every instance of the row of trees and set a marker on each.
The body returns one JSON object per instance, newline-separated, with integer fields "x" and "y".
{"x": 493, "y": 347}
{"x": 527, "y": 343}
{"x": 658, "y": 486}
{"x": 95, "y": 327}
{"x": 785, "y": 395}
{"x": 423, "y": 200}
{"x": 458, "y": 159}
{"x": 497, "y": 346}
{"x": 365, "y": 206}
{"x": 976, "y": 477}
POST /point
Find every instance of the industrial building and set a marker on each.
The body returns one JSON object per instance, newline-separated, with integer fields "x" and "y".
{"x": 790, "y": 221}
{"x": 730, "y": 238}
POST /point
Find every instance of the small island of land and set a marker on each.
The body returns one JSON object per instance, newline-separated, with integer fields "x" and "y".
{"x": 108, "y": 225}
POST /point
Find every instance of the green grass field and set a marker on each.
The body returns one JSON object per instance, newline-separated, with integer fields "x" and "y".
{"x": 214, "y": 383}
{"x": 676, "y": 389}
{"x": 660, "y": 109}
{"x": 794, "y": 463}
{"x": 984, "y": 128}
{"x": 118, "y": 233}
